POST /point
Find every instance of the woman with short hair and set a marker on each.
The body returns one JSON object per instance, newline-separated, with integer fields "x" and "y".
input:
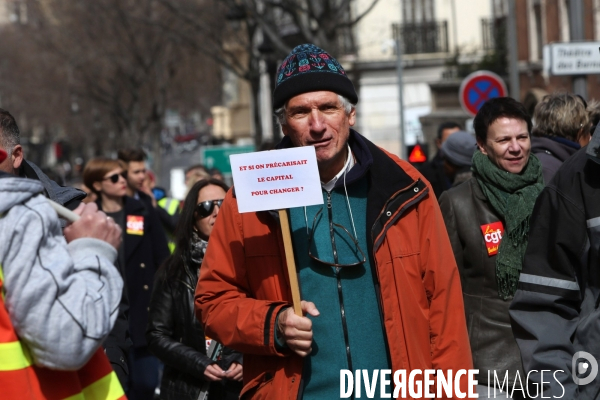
{"x": 487, "y": 218}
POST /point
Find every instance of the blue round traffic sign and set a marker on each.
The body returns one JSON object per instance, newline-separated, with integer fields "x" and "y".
{"x": 479, "y": 87}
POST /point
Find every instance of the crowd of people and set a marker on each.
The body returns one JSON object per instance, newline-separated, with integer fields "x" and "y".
{"x": 486, "y": 258}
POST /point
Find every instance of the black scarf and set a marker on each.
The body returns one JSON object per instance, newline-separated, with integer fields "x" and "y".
{"x": 197, "y": 248}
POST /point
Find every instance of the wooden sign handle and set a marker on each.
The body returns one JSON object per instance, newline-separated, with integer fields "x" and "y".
{"x": 291, "y": 263}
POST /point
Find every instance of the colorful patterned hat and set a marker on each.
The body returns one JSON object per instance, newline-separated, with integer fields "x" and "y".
{"x": 309, "y": 69}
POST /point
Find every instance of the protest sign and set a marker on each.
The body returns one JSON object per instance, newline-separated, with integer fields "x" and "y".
{"x": 276, "y": 180}
{"x": 273, "y": 180}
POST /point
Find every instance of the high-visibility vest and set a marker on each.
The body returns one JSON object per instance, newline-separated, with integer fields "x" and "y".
{"x": 170, "y": 206}
{"x": 21, "y": 380}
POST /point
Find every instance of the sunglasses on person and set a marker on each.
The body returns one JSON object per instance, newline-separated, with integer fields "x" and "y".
{"x": 207, "y": 207}
{"x": 114, "y": 178}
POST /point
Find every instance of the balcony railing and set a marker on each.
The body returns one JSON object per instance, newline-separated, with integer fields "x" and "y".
{"x": 492, "y": 33}
{"x": 423, "y": 37}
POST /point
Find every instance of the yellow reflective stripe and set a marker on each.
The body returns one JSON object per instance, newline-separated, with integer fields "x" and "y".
{"x": 106, "y": 388}
{"x": 14, "y": 356}
{"x": 169, "y": 205}
{"x": 172, "y": 207}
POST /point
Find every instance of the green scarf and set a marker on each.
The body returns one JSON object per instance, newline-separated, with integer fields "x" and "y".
{"x": 513, "y": 197}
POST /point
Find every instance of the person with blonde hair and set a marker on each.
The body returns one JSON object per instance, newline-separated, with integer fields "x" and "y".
{"x": 560, "y": 119}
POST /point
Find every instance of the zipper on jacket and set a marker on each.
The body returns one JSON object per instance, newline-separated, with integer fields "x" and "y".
{"x": 339, "y": 283}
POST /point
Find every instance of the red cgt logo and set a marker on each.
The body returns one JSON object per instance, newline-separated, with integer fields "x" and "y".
{"x": 492, "y": 234}
{"x": 135, "y": 225}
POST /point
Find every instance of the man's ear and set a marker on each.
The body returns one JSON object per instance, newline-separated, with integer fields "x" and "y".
{"x": 17, "y": 157}
{"x": 352, "y": 117}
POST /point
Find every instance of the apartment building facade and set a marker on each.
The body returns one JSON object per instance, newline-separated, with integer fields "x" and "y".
{"x": 433, "y": 33}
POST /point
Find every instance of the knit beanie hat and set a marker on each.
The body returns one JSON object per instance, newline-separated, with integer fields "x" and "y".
{"x": 459, "y": 148}
{"x": 309, "y": 69}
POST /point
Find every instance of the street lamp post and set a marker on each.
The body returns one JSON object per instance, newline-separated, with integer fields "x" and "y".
{"x": 399, "y": 70}
{"x": 513, "y": 57}
{"x": 577, "y": 34}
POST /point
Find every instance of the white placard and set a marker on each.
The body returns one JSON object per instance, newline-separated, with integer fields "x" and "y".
{"x": 575, "y": 58}
{"x": 277, "y": 179}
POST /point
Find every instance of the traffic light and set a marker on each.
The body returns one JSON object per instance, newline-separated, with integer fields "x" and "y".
{"x": 417, "y": 153}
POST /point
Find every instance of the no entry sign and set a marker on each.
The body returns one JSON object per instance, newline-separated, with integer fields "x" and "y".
{"x": 479, "y": 87}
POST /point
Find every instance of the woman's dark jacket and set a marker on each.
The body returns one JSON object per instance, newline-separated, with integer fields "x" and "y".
{"x": 552, "y": 152}
{"x": 466, "y": 209}
{"x": 145, "y": 251}
{"x": 177, "y": 338}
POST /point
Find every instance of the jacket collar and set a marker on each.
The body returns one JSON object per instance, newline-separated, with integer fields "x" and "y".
{"x": 130, "y": 205}
{"x": 558, "y": 147}
{"x": 477, "y": 192}
{"x": 388, "y": 182}
{"x": 385, "y": 175}
{"x": 57, "y": 193}
{"x": 593, "y": 148}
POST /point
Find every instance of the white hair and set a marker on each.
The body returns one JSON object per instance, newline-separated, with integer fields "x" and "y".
{"x": 346, "y": 104}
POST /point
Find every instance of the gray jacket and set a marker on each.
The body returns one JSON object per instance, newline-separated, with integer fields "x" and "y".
{"x": 62, "y": 298}
{"x": 551, "y": 154}
{"x": 555, "y": 313}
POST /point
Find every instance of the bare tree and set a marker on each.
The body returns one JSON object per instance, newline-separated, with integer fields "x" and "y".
{"x": 112, "y": 74}
{"x": 263, "y": 29}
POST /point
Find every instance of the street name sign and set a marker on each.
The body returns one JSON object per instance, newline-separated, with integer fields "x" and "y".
{"x": 575, "y": 58}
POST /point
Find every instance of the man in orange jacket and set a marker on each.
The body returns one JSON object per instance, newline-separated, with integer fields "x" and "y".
{"x": 375, "y": 264}
{"x": 58, "y": 301}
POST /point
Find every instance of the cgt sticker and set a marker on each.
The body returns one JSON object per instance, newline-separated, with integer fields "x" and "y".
{"x": 135, "y": 225}
{"x": 492, "y": 234}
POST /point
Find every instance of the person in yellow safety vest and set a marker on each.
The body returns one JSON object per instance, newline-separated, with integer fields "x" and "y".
{"x": 167, "y": 209}
{"x": 172, "y": 208}
{"x": 58, "y": 301}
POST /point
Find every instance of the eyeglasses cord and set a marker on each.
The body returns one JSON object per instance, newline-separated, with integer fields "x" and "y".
{"x": 347, "y": 198}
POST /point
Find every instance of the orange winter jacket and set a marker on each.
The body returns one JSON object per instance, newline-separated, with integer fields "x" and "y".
{"x": 244, "y": 282}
